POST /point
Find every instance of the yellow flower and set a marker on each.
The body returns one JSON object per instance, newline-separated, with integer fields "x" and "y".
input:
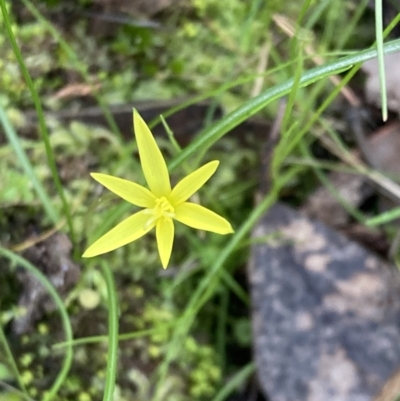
{"x": 161, "y": 204}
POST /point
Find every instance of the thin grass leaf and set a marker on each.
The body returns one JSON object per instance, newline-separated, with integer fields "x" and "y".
{"x": 15, "y": 391}
{"x": 395, "y": 21}
{"x": 13, "y": 364}
{"x": 66, "y": 364}
{"x": 171, "y": 136}
{"x": 208, "y": 283}
{"x": 383, "y": 218}
{"x": 235, "y": 382}
{"x": 220, "y": 90}
{"x": 246, "y": 37}
{"x": 42, "y": 123}
{"x": 221, "y": 324}
{"x": 112, "y": 355}
{"x": 27, "y": 167}
{"x": 292, "y": 95}
{"x": 325, "y": 181}
{"x": 212, "y": 134}
{"x": 234, "y": 287}
{"x": 381, "y": 56}
{"x": 122, "y": 337}
{"x": 349, "y": 28}
{"x": 76, "y": 63}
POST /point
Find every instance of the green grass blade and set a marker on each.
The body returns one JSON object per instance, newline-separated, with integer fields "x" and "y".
{"x": 121, "y": 337}
{"x": 80, "y": 67}
{"x": 349, "y": 29}
{"x": 207, "y": 285}
{"x": 395, "y": 21}
{"x": 51, "y": 393}
{"x": 383, "y": 218}
{"x": 381, "y": 57}
{"x": 221, "y": 327}
{"x": 12, "y": 363}
{"x": 42, "y": 124}
{"x": 235, "y": 382}
{"x": 212, "y": 134}
{"x": 112, "y": 355}
{"x": 27, "y": 166}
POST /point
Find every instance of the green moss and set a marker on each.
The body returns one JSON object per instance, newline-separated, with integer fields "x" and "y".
{"x": 26, "y": 360}
{"x": 84, "y": 397}
{"x": 27, "y": 377}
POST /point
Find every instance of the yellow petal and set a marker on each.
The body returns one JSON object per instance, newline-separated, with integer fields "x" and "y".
{"x": 152, "y": 161}
{"x": 128, "y": 190}
{"x": 199, "y": 217}
{"x": 125, "y": 232}
{"x": 165, "y": 239}
{"x": 192, "y": 183}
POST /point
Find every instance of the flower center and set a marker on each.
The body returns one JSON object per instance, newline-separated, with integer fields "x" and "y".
{"x": 162, "y": 209}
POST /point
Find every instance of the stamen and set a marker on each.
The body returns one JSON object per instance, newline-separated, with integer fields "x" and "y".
{"x": 162, "y": 209}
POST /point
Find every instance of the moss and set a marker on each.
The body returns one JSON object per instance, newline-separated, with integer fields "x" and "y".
{"x": 27, "y": 377}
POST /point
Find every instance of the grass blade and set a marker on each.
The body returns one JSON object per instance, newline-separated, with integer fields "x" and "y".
{"x": 51, "y": 393}
{"x": 383, "y": 218}
{"x": 42, "y": 124}
{"x": 112, "y": 333}
{"x": 235, "y": 382}
{"x": 12, "y": 363}
{"x": 27, "y": 166}
{"x": 381, "y": 57}
{"x": 209, "y": 136}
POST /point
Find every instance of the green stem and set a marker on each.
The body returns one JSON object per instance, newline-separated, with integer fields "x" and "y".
{"x": 209, "y": 136}
{"x": 42, "y": 124}
{"x": 112, "y": 356}
{"x": 235, "y": 382}
{"x": 27, "y": 166}
{"x": 51, "y": 393}
{"x": 74, "y": 58}
{"x": 381, "y": 57}
{"x": 11, "y": 361}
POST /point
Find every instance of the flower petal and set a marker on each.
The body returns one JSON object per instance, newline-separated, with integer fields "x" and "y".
{"x": 152, "y": 161}
{"x": 125, "y": 232}
{"x": 128, "y": 190}
{"x": 199, "y": 217}
{"x": 165, "y": 239}
{"x": 192, "y": 183}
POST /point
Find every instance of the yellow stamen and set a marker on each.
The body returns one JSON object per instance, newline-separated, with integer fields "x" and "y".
{"x": 162, "y": 208}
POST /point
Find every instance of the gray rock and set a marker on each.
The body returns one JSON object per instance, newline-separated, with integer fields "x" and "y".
{"x": 372, "y": 86}
{"x": 52, "y": 256}
{"x": 326, "y": 313}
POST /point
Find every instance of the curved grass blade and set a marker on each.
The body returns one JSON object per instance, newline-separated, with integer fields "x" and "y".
{"x": 209, "y": 136}
{"x": 235, "y": 382}
{"x": 77, "y": 64}
{"x": 62, "y": 375}
{"x": 42, "y": 124}
{"x": 207, "y": 285}
{"x": 122, "y": 337}
{"x": 13, "y": 364}
{"x": 383, "y": 218}
{"x": 27, "y": 166}
{"x": 112, "y": 355}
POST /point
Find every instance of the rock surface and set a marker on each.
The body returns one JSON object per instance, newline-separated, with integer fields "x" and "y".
{"x": 326, "y": 313}
{"x": 372, "y": 87}
{"x": 52, "y": 256}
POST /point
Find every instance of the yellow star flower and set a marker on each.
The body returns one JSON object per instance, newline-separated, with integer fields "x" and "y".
{"x": 161, "y": 204}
